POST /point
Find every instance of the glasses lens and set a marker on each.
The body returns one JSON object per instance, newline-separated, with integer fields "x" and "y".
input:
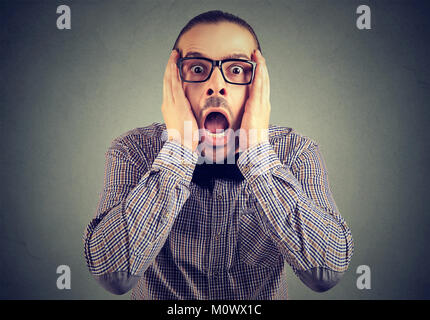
{"x": 195, "y": 69}
{"x": 237, "y": 71}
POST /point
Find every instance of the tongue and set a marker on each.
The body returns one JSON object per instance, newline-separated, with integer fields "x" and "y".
{"x": 216, "y": 122}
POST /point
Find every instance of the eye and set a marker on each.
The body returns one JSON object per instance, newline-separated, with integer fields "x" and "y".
{"x": 236, "y": 69}
{"x": 197, "y": 69}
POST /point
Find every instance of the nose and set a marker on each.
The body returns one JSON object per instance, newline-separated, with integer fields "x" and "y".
{"x": 216, "y": 84}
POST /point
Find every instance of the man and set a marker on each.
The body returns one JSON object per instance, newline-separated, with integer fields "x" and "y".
{"x": 174, "y": 222}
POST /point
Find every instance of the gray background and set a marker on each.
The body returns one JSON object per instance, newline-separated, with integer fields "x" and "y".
{"x": 64, "y": 95}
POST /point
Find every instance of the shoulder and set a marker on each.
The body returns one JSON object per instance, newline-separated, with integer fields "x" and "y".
{"x": 287, "y": 135}
{"x": 140, "y": 144}
{"x": 142, "y": 135}
{"x": 288, "y": 143}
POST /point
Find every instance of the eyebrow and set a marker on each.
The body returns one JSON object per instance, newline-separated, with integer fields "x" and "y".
{"x": 195, "y": 54}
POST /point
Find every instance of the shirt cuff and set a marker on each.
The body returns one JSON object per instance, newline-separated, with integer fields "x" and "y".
{"x": 177, "y": 159}
{"x": 258, "y": 160}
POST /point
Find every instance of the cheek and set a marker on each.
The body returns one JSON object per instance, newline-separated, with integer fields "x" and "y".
{"x": 192, "y": 94}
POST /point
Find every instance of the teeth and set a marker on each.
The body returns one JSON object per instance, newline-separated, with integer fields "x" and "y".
{"x": 218, "y": 134}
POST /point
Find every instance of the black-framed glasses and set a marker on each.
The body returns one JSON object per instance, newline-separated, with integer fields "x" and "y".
{"x": 234, "y": 71}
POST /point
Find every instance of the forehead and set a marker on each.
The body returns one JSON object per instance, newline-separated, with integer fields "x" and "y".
{"x": 217, "y": 41}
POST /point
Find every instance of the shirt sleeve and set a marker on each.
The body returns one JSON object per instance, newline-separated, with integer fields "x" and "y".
{"x": 300, "y": 213}
{"x": 136, "y": 211}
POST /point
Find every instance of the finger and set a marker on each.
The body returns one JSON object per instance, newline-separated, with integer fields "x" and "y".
{"x": 172, "y": 81}
{"x": 167, "y": 70}
{"x": 262, "y": 67}
{"x": 178, "y": 92}
{"x": 265, "y": 94}
{"x": 266, "y": 81}
{"x": 167, "y": 83}
{"x": 267, "y": 85}
{"x": 257, "y": 83}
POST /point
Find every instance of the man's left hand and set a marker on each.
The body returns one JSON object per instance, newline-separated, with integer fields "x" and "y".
{"x": 255, "y": 120}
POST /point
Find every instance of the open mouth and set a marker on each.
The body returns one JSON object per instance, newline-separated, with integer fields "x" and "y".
{"x": 216, "y": 123}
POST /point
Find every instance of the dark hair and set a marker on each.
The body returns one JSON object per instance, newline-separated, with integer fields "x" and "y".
{"x": 216, "y": 16}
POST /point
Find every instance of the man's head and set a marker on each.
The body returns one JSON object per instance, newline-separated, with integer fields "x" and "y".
{"x": 216, "y": 103}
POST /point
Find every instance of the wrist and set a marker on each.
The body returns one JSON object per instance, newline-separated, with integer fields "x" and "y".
{"x": 253, "y": 137}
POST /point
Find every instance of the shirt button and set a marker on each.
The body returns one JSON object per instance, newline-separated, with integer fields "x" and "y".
{"x": 219, "y": 196}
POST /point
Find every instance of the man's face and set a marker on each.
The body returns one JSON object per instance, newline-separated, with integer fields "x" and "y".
{"x": 217, "y": 104}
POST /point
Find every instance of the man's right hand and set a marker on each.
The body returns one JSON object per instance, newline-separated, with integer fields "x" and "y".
{"x": 176, "y": 108}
